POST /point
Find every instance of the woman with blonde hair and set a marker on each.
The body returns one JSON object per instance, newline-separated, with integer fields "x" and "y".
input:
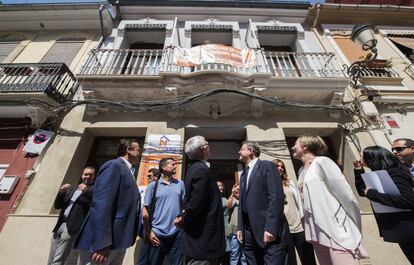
{"x": 294, "y": 213}
{"x": 331, "y": 215}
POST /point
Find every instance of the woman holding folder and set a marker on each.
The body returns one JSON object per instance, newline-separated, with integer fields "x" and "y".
{"x": 396, "y": 227}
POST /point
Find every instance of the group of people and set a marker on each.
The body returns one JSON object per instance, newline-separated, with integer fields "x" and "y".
{"x": 264, "y": 220}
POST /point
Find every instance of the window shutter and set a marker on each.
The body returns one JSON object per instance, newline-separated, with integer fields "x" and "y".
{"x": 6, "y": 48}
{"x": 352, "y": 51}
{"x": 63, "y": 52}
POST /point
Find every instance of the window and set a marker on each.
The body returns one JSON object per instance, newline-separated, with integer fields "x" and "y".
{"x": 143, "y": 59}
{"x": 353, "y": 52}
{"x": 200, "y": 36}
{"x": 6, "y": 48}
{"x": 63, "y": 51}
{"x": 405, "y": 43}
{"x": 3, "y": 168}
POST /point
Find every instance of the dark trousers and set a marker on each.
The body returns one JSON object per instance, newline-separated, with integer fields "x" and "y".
{"x": 304, "y": 249}
{"x": 408, "y": 250}
{"x": 275, "y": 253}
{"x": 169, "y": 246}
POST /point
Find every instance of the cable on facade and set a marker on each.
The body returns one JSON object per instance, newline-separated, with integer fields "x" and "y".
{"x": 177, "y": 101}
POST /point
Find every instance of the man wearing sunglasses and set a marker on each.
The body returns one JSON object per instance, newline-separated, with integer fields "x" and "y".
{"x": 403, "y": 149}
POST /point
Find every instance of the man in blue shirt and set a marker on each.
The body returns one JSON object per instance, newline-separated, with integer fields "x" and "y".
{"x": 160, "y": 214}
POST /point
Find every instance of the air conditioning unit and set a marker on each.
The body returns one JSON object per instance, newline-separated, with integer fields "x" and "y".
{"x": 8, "y": 183}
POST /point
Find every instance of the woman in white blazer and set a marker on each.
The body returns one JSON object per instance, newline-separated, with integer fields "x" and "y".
{"x": 332, "y": 218}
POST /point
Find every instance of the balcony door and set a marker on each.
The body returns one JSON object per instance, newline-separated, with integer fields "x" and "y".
{"x": 143, "y": 58}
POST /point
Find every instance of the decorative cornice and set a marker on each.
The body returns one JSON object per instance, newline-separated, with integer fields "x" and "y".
{"x": 145, "y": 27}
{"x": 236, "y": 34}
{"x": 211, "y": 27}
{"x": 277, "y": 28}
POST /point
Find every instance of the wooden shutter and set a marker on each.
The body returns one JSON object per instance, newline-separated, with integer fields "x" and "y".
{"x": 352, "y": 51}
{"x": 6, "y": 48}
{"x": 63, "y": 52}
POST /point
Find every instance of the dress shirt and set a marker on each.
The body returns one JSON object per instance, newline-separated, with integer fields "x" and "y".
{"x": 412, "y": 169}
{"x": 207, "y": 163}
{"x": 250, "y": 167}
{"x": 75, "y": 196}
{"x": 129, "y": 165}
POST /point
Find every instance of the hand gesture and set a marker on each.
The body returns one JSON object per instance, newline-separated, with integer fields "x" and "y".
{"x": 357, "y": 164}
{"x": 64, "y": 188}
{"x": 153, "y": 239}
{"x": 239, "y": 235}
{"x": 82, "y": 187}
{"x": 268, "y": 238}
{"x": 101, "y": 255}
{"x": 178, "y": 221}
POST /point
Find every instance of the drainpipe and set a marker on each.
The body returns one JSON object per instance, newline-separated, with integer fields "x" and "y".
{"x": 318, "y": 10}
{"x": 315, "y": 23}
{"x": 101, "y": 9}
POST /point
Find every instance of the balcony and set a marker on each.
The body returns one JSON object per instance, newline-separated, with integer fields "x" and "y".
{"x": 146, "y": 63}
{"x": 117, "y": 74}
{"x": 53, "y": 79}
{"x": 305, "y": 65}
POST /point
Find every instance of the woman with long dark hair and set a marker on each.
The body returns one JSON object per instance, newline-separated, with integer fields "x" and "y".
{"x": 397, "y": 227}
{"x": 294, "y": 213}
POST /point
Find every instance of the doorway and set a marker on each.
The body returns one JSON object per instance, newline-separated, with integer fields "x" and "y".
{"x": 224, "y": 161}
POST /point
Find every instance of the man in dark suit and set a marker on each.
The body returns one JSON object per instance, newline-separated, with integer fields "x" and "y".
{"x": 202, "y": 217}
{"x": 74, "y": 203}
{"x": 111, "y": 226}
{"x": 262, "y": 226}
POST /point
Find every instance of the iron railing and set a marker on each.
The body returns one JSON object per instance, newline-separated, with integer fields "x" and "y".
{"x": 127, "y": 62}
{"x": 53, "y": 79}
{"x": 301, "y": 64}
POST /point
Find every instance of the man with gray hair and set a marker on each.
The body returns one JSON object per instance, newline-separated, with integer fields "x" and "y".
{"x": 202, "y": 216}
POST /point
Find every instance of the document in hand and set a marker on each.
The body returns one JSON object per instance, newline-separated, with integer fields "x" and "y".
{"x": 382, "y": 182}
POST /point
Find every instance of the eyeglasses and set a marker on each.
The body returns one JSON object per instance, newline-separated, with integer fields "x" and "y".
{"x": 398, "y": 149}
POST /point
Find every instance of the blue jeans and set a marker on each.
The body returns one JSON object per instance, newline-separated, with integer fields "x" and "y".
{"x": 236, "y": 251}
{"x": 170, "y": 246}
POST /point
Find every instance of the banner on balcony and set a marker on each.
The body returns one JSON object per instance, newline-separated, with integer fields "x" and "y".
{"x": 214, "y": 53}
{"x": 156, "y": 147}
{"x": 37, "y": 141}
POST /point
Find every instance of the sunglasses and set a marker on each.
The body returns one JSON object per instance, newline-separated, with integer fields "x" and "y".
{"x": 398, "y": 149}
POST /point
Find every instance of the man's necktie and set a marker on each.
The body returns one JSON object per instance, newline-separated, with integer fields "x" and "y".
{"x": 243, "y": 180}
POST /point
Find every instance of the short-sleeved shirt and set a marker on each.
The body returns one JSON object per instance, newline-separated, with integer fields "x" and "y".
{"x": 168, "y": 205}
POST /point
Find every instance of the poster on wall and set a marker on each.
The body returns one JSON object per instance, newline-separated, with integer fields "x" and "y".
{"x": 391, "y": 122}
{"x": 214, "y": 53}
{"x": 37, "y": 141}
{"x": 156, "y": 147}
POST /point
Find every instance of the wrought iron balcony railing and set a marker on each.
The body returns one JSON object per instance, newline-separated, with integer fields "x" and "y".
{"x": 301, "y": 64}
{"x": 53, "y": 79}
{"x": 124, "y": 62}
{"x": 127, "y": 62}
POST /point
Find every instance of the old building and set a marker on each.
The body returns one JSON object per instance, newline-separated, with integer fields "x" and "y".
{"x": 163, "y": 71}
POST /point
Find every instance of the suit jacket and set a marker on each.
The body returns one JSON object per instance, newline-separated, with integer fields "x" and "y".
{"x": 78, "y": 212}
{"x": 264, "y": 200}
{"x": 203, "y": 236}
{"x": 393, "y": 227}
{"x": 114, "y": 213}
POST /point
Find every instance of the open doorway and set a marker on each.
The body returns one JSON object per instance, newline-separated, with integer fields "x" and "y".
{"x": 105, "y": 148}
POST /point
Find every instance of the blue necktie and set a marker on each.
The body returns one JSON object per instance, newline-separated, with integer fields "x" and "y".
{"x": 243, "y": 180}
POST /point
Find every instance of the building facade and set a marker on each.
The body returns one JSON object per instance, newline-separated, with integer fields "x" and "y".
{"x": 164, "y": 71}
